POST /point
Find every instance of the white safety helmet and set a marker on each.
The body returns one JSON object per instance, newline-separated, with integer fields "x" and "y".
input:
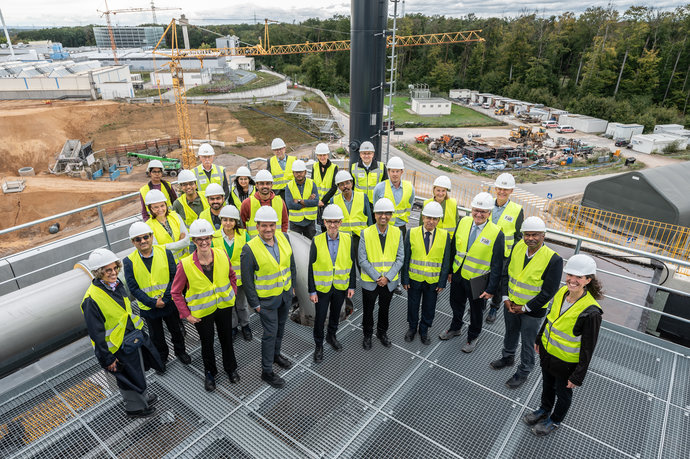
{"x": 154, "y": 196}
{"x": 138, "y": 229}
{"x": 243, "y": 171}
{"x": 483, "y": 201}
{"x": 505, "y": 180}
{"x": 433, "y": 209}
{"x": 201, "y": 228}
{"x": 534, "y": 225}
{"x": 277, "y": 144}
{"x": 266, "y": 214}
{"x": 366, "y": 146}
{"x": 384, "y": 205}
{"x": 100, "y": 258}
{"x": 263, "y": 176}
{"x": 229, "y": 211}
{"x": 322, "y": 149}
{"x": 395, "y": 163}
{"x": 442, "y": 181}
{"x": 153, "y": 164}
{"x": 206, "y": 149}
{"x": 332, "y": 212}
{"x": 580, "y": 265}
{"x": 186, "y": 176}
{"x": 299, "y": 166}
{"x": 214, "y": 189}
{"x": 342, "y": 176}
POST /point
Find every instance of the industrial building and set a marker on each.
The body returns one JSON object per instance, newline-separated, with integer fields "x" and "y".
{"x": 128, "y": 36}
{"x": 584, "y": 123}
{"x": 163, "y": 78}
{"x": 655, "y": 143}
{"x": 431, "y": 107}
{"x": 459, "y": 94}
{"x": 623, "y": 131}
{"x": 672, "y": 129}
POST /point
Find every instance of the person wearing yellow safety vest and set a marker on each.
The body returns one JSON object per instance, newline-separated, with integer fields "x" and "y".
{"x": 120, "y": 344}
{"x": 425, "y": 272}
{"x": 155, "y": 171}
{"x": 263, "y": 196}
{"x": 477, "y": 253}
{"x": 215, "y": 196}
{"x": 168, "y": 229}
{"x": 381, "y": 255}
{"x": 149, "y": 272}
{"x": 331, "y": 277}
{"x": 268, "y": 270}
{"x": 192, "y": 202}
{"x": 355, "y": 206}
{"x": 302, "y": 200}
{"x": 323, "y": 174}
{"x": 280, "y": 167}
{"x": 441, "y": 192}
{"x": 368, "y": 172}
{"x": 204, "y": 292}
{"x": 207, "y": 172}
{"x": 400, "y": 192}
{"x": 508, "y": 215}
{"x": 531, "y": 280}
{"x": 242, "y": 187}
{"x": 232, "y": 239}
{"x": 566, "y": 342}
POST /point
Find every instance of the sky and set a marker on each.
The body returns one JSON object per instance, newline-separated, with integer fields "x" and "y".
{"x": 83, "y": 12}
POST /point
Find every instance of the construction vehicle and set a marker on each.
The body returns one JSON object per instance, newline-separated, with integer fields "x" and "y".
{"x": 423, "y": 138}
{"x": 521, "y": 134}
{"x": 539, "y": 135}
{"x": 171, "y": 166}
{"x": 500, "y": 111}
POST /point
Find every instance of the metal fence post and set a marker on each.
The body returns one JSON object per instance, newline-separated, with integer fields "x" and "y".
{"x": 105, "y": 229}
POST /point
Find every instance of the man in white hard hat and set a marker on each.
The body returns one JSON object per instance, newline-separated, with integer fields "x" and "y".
{"x": 263, "y": 197}
{"x": 368, "y": 172}
{"x": 331, "y": 277}
{"x": 215, "y": 196}
{"x": 381, "y": 255}
{"x": 441, "y": 194}
{"x": 280, "y": 166}
{"x": 399, "y": 191}
{"x": 268, "y": 271}
{"x": 355, "y": 206}
{"x": 302, "y": 200}
{"x": 323, "y": 173}
{"x": 508, "y": 215}
{"x": 531, "y": 280}
{"x": 190, "y": 205}
{"x": 155, "y": 172}
{"x": 477, "y": 253}
{"x": 425, "y": 271}
{"x": 207, "y": 172}
{"x": 242, "y": 187}
{"x": 149, "y": 272}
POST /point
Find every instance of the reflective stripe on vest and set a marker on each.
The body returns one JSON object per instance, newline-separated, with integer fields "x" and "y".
{"x": 366, "y": 181}
{"x": 276, "y": 203}
{"x": 115, "y": 316}
{"x": 189, "y": 214}
{"x": 450, "y": 214}
{"x": 402, "y": 208}
{"x": 477, "y": 261}
{"x": 272, "y": 278}
{"x": 323, "y": 184}
{"x": 355, "y": 220}
{"x": 239, "y": 242}
{"x": 203, "y": 296}
{"x": 217, "y": 176}
{"x": 507, "y": 224}
{"x": 308, "y": 213}
{"x": 525, "y": 281}
{"x": 426, "y": 267}
{"x": 235, "y": 196}
{"x": 153, "y": 282}
{"x": 163, "y": 237}
{"x": 146, "y": 188}
{"x": 381, "y": 260}
{"x": 281, "y": 177}
{"x": 326, "y": 274}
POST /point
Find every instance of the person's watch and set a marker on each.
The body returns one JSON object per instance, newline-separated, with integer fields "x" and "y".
{"x": 524, "y": 309}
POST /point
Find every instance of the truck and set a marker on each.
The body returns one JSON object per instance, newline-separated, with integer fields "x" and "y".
{"x": 171, "y": 166}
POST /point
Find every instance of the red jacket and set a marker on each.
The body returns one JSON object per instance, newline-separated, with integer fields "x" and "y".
{"x": 246, "y": 210}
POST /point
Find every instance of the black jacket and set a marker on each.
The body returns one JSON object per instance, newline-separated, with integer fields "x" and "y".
{"x": 496, "y": 262}
{"x": 312, "y": 258}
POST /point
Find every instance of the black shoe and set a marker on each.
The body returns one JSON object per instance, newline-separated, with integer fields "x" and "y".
{"x": 333, "y": 341}
{"x": 502, "y": 363}
{"x": 145, "y": 413}
{"x": 162, "y": 371}
{"x": 273, "y": 380}
{"x": 210, "y": 383}
{"x": 152, "y": 400}
{"x": 318, "y": 353}
{"x": 516, "y": 381}
{"x": 409, "y": 336}
{"x": 184, "y": 358}
{"x": 491, "y": 316}
{"x": 234, "y": 334}
{"x": 234, "y": 377}
{"x": 247, "y": 333}
{"x": 425, "y": 340}
{"x": 366, "y": 343}
{"x": 383, "y": 337}
{"x": 534, "y": 417}
{"x": 282, "y": 361}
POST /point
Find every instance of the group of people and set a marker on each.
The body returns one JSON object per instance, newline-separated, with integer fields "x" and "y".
{"x": 215, "y": 251}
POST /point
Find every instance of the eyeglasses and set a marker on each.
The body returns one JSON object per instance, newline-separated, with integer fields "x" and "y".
{"x": 203, "y": 239}
{"x": 387, "y": 214}
{"x": 138, "y": 239}
{"x": 331, "y": 222}
{"x": 112, "y": 270}
{"x": 480, "y": 212}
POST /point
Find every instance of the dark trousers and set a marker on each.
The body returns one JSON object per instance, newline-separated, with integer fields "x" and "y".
{"x": 273, "y": 320}
{"x": 403, "y": 230}
{"x": 427, "y": 294}
{"x": 497, "y": 299}
{"x": 331, "y": 302}
{"x": 308, "y": 231}
{"x": 172, "y": 321}
{"x": 368, "y": 300}
{"x": 555, "y": 387}
{"x": 280, "y": 193}
{"x": 460, "y": 293}
{"x": 222, "y": 318}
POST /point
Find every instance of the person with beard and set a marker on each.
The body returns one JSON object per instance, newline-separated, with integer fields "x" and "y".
{"x": 216, "y": 201}
{"x": 263, "y": 196}
{"x": 355, "y": 207}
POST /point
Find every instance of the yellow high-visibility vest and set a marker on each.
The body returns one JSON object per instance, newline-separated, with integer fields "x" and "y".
{"x": 327, "y": 274}
{"x": 217, "y": 176}
{"x": 402, "y": 208}
{"x": 477, "y": 261}
{"x": 281, "y": 177}
{"x": 450, "y": 215}
{"x": 277, "y": 204}
{"x": 239, "y": 242}
{"x": 273, "y": 277}
{"x": 163, "y": 237}
{"x": 381, "y": 260}
{"x": 308, "y": 213}
{"x": 203, "y": 296}
{"x": 323, "y": 184}
{"x": 366, "y": 181}
{"x": 153, "y": 282}
{"x": 146, "y": 188}
{"x": 524, "y": 282}
{"x": 355, "y": 220}
{"x": 507, "y": 224}
{"x": 189, "y": 214}
{"x": 426, "y": 267}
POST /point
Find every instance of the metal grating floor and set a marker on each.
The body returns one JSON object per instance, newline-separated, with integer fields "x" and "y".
{"x": 407, "y": 401}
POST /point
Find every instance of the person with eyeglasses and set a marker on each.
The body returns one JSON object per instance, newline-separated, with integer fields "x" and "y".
{"x": 204, "y": 291}
{"x": 192, "y": 202}
{"x": 168, "y": 229}
{"x": 149, "y": 271}
{"x": 155, "y": 171}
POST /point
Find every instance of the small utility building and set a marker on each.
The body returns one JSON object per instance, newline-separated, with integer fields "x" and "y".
{"x": 431, "y": 107}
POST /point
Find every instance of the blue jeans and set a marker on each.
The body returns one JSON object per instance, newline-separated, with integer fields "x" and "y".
{"x": 524, "y": 327}
{"x": 273, "y": 322}
{"x": 427, "y": 294}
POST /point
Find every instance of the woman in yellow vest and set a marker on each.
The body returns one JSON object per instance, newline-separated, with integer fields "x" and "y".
{"x": 204, "y": 292}
{"x": 566, "y": 342}
{"x": 242, "y": 186}
{"x": 121, "y": 346}
{"x": 169, "y": 231}
{"x": 323, "y": 174}
{"x": 441, "y": 192}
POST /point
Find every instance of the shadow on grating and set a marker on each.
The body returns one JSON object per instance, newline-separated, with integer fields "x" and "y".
{"x": 677, "y": 433}
{"x": 681, "y": 388}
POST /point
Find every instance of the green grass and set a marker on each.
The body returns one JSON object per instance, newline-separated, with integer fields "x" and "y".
{"x": 262, "y": 80}
{"x": 264, "y": 129}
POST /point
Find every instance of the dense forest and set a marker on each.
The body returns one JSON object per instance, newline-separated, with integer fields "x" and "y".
{"x": 630, "y": 67}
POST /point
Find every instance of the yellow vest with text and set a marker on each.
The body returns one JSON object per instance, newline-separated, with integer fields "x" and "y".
{"x": 203, "y": 296}
{"x": 308, "y": 213}
{"x": 355, "y": 220}
{"x": 450, "y": 213}
{"x": 507, "y": 224}
{"x": 366, "y": 181}
{"x": 323, "y": 184}
{"x": 217, "y": 176}
{"x": 426, "y": 267}
{"x": 477, "y": 261}
{"x": 153, "y": 282}
{"x": 272, "y": 278}
{"x": 402, "y": 208}
{"x": 281, "y": 177}
{"x": 146, "y": 188}
{"x": 239, "y": 242}
{"x": 524, "y": 282}
{"x": 276, "y": 203}
{"x": 189, "y": 214}
{"x": 381, "y": 260}
{"x": 326, "y": 274}
{"x": 163, "y": 237}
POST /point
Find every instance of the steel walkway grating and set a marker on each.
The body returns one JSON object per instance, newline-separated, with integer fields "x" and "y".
{"x": 407, "y": 401}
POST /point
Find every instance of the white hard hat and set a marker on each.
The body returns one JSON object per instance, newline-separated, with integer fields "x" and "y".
{"x": 442, "y": 181}
{"x": 154, "y": 196}
{"x": 201, "y": 228}
{"x": 332, "y": 212}
{"x": 342, "y": 176}
{"x": 433, "y": 209}
{"x": 533, "y": 224}
{"x": 214, "y": 189}
{"x": 100, "y": 258}
{"x": 186, "y": 176}
{"x": 230, "y": 211}
{"x": 395, "y": 163}
{"x": 384, "y": 205}
{"x": 483, "y": 201}
{"x": 366, "y": 146}
{"x": 139, "y": 228}
{"x": 206, "y": 149}
{"x": 266, "y": 214}
{"x": 299, "y": 166}
{"x": 243, "y": 171}
{"x": 154, "y": 163}
{"x": 505, "y": 180}
{"x": 277, "y": 143}
{"x": 322, "y": 149}
{"x": 580, "y": 265}
{"x": 263, "y": 176}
